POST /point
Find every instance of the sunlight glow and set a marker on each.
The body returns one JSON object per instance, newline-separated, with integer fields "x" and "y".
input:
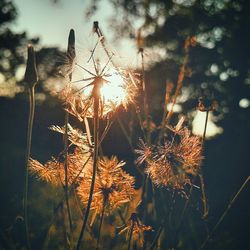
{"x": 113, "y": 91}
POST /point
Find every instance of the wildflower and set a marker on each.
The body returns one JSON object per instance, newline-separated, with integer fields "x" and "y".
{"x": 116, "y": 89}
{"x": 112, "y": 85}
{"x": 113, "y": 187}
{"x": 174, "y": 163}
{"x": 136, "y": 229}
{"x": 53, "y": 170}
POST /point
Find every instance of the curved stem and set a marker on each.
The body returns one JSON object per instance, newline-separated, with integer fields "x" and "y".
{"x": 130, "y": 235}
{"x": 96, "y": 146}
{"x": 225, "y": 212}
{"x": 100, "y": 226}
{"x": 26, "y": 180}
{"x": 204, "y": 198}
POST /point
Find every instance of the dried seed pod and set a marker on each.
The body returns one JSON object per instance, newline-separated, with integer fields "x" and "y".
{"x": 205, "y": 104}
{"x": 30, "y": 76}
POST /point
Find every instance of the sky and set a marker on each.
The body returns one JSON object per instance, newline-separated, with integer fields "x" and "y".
{"x": 52, "y": 22}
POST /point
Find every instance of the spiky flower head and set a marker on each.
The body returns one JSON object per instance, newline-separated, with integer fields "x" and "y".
{"x": 173, "y": 163}
{"x": 53, "y": 170}
{"x": 113, "y": 186}
{"x": 116, "y": 86}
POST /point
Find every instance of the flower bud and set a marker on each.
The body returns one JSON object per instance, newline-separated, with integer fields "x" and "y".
{"x": 71, "y": 45}
{"x": 30, "y": 76}
{"x": 205, "y": 104}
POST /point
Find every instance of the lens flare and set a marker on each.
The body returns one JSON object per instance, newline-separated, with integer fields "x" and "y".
{"x": 114, "y": 90}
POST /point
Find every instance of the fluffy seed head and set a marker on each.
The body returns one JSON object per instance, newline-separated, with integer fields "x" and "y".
{"x": 175, "y": 162}
{"x": 113, "y": 186}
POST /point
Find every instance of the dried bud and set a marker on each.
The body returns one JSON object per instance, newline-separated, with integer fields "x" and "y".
{"x": 71, "y": 53}
{"x": 205, "y": 105}
{"x": 30, "y": 76}
{"x": 95, "y": 26}
{"x": 71, "y": 45}
{"x": 140, "y": 41}
{"x": 190, "y": 41}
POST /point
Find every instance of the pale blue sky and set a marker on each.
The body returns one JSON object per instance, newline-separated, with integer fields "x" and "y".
{"x": 52, "y": 22}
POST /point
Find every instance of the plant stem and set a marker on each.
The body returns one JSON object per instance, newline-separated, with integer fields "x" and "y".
{"x": 71, "y": 56}
{"x": 156, "y": 238}
{"x": 100, "y": 226}
{"x": 66, "y": 193}
{"x": 201, "y": 179}
{"x": 225, "y": 212}
{"x": 145, "y": 101}
{"x": 204, "y": 198}
{"x": 130, "y": 234}
{"x": 26, "y": 179}
{"x": 66, "y": 241}
{"x": 96, "y": 95}
{"x": 126, "y": 135}
{"x": 205, "y": 128}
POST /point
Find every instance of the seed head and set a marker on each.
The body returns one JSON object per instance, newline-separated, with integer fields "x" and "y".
{"x": 175, "y": 162}
{"x": 113, "y": 186}
{"x": 53, "y": 170}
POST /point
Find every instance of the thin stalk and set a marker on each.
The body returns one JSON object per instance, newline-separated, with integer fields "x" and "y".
{"x": 145, "y": 101}
{"x": 65, "y": 140}
{"x": 205, "y": 128}
{"x": 169, "y": 87}
{"x": 176, "y": 93}
{"x": 77, "y": 202}
{"x": 126, "y": 135}
{"x": 204, "y": 198}
{"x": 139, "y": 117}
{"x": 158, "y": 234}
{"x": 76, "y": 177}
{"x": 26, "y": 180}
{"x": 96, "y": 95}
{"x": 64, "y": 229}
{"x": 106, "y": 130}
{"x": 100, "y": 225}
{"x": 130, "y": 234}
{"x": 225, "y": 212}
{"x": 99, "y": 33}
{"x": 86, "y": 123}
{"x": 71, "y": 56}
{"x": 205, "y": 208}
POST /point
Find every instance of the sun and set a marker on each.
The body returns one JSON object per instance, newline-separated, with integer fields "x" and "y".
{"x": 113, "y": 91}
